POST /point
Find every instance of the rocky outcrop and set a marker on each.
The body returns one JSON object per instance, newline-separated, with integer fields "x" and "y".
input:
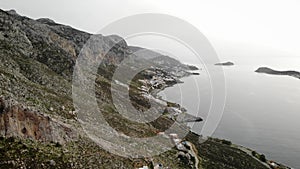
{"x": 19, "y": 121}
{"x": 275, "y": 72}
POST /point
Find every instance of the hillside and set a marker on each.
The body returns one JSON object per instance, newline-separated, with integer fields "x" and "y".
{"x": 39, "y": 126}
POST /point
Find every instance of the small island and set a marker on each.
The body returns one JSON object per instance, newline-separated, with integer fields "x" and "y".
{"x": 275, "y": 72}
{"x": 225, "y": 64}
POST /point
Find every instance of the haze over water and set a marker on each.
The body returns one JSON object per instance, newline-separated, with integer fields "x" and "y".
{"x": 261, "y": 112}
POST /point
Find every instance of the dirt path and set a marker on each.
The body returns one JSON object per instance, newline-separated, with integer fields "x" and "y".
{"x": 193, "y": 153}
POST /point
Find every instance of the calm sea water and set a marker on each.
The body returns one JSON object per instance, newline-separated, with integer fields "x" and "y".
{"x": 262, "y": 111}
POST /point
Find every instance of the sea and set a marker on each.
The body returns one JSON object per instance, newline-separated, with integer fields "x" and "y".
{"x": 261, "y": 111}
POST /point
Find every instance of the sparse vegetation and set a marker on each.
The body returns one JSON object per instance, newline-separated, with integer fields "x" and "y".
{"x": 36, "y": 67}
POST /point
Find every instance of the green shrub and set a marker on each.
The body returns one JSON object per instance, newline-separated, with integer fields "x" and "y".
{"x": 226, "y": 142}
{"x": 57, "y": 144}
{"x": 262, "y": 158}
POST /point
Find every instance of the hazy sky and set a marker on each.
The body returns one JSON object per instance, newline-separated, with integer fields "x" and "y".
{"x": 236, "y": 28}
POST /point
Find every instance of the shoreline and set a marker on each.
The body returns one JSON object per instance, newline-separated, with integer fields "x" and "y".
{"x": 267, "y": 163}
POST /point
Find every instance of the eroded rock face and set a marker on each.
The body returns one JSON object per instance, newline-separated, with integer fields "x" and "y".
{"x": 17, "y": 121}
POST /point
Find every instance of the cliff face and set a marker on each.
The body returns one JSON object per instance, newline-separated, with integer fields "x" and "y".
{"x": 18, "y": 121}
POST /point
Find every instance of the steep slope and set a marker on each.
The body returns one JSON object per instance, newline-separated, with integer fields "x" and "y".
{"x": 38, "y": 122}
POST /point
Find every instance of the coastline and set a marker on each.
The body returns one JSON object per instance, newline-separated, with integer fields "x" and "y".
{"x": 248, "y": 151}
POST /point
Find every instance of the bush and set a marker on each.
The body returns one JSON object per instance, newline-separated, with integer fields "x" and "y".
{"x": 262, "y": 158}
{"x": 10, "y": 139}
{"x": 57, "y": 144}
{"x": 226, "y": 142}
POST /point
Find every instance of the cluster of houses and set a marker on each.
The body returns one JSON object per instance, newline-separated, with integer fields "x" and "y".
{"x": 158, "y": 78}
{"x": 275, "y": 165}
{"x": 180, "y": 145}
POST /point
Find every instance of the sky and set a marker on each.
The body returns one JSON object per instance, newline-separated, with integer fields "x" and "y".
{"x": 236, "y": 28}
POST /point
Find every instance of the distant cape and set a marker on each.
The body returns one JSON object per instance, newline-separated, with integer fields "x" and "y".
{"x": 275, "y": 72}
